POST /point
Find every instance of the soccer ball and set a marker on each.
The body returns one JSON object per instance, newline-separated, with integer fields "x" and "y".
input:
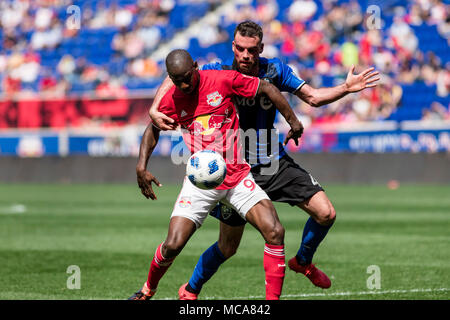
{"x": 206, "y": 169}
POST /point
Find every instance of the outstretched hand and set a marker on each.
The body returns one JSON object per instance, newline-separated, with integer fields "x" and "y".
{"x": 162, "y": 121}
{"x": 358, "y": 82}
{"x": 144, "y": 180}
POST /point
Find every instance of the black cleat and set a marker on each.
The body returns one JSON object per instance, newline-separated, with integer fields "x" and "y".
{"x": 143, "y": 294}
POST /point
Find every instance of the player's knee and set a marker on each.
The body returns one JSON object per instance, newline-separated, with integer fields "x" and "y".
{"x": 326, "y": 216}
{"x": 228, "y": 249}
{"x": 172, "y": 247}
{"x": 276, "y": 234}
{"x": 268, "y": 224}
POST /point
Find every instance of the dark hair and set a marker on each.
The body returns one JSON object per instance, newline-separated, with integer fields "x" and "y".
{"x": 249, "y": 29}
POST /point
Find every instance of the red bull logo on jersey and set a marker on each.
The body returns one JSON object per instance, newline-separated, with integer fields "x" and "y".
{"x": 206, "y": 124}
{"x": 214, "y": 99}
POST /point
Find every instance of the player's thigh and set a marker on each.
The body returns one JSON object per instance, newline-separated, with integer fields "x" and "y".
{"x": 230, "y": 238}
{"x": 194, "y": 203}
{"x": 254, "y": 205}
{"x": 290, "y": 184}
{"x": 244, "y": 196}
{"x": 319, "y": 207}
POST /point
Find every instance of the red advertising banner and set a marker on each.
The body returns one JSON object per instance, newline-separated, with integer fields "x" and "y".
{"x": 72, "y": 112}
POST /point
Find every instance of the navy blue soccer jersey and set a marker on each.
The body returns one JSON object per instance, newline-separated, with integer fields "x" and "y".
{"x": 257, "y": 115}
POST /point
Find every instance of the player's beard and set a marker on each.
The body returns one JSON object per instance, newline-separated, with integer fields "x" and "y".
{"x": 250, "y": 69}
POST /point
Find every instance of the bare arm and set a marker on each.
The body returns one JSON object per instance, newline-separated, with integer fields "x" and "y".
{"x": 285, "y": 109}
{"x": 145, "y": 178}
{"x": 353, "y": 83}
{"x": 160, "y": 119}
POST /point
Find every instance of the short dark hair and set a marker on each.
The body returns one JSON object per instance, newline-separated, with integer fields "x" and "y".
{"x": 249, "y": 29}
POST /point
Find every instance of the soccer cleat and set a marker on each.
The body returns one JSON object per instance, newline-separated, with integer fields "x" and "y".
{"x": 183, "y": 294}
{"x": 317, "y": 277}
{"x": 143, "y": 294}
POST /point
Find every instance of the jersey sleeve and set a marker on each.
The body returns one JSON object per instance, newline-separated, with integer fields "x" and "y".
{"x": 167, "y": 107}
{"x": 288, "y": 80}
{"x": 243, "y": 85}
{"x": 211, "y": 66}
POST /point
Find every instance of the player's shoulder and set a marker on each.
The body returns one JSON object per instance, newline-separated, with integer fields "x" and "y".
{"x": 270, "y": 68}
{"x": 271, "y": 62}
{"x": 172, "y": 95}
{"x": 280, "y": 71}
{"x": 170, "y": 100}
{"x": 273, "y": 65}
{"x": 227, "y": 65}
{"x": 218, "y": 79}
{"x": 218, "y": 74}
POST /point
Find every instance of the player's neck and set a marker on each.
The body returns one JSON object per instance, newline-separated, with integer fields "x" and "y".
{"x": 255, "y": 71}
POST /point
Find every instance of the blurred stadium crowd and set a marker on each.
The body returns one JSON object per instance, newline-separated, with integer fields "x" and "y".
{"x": 113, "y": 53}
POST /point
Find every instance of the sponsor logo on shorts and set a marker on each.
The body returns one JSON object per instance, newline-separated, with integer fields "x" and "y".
{"x": 184, "y": 202}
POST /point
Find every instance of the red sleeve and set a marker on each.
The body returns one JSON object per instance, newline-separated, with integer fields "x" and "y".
{"x": 167, "y": 106}
{"x": 245, "y": 86}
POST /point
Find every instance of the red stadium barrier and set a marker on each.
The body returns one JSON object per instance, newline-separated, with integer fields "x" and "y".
{"x": 72, "y": 112}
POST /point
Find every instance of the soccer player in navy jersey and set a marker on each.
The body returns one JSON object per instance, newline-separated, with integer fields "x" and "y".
{"x": 290, "y": 183}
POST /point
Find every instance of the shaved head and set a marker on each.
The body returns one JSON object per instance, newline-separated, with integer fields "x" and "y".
{"x": 178, "y": 62}
{"x": 182, "y": 70}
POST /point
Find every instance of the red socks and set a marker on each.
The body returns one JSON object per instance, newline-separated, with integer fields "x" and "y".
{"x": 275, "y": 268}
{"x": 158, "y": 268}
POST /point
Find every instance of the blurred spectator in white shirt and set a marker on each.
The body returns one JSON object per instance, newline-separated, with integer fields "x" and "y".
{"x": 302, "y": 10}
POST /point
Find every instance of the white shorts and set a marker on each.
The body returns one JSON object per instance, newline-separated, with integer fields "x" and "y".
{"x": 195, "y": 204}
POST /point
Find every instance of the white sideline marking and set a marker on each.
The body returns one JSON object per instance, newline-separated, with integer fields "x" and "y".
{"x": 334, "y": 294}
{"x": 13, "y": 209}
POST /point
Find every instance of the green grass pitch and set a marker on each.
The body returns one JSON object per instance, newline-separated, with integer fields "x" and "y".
{"x": 111, "y": 231}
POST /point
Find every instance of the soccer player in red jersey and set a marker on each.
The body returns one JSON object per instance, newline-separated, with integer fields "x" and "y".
{"x": 291, "y": 183}
{"x": 201, "y": 104}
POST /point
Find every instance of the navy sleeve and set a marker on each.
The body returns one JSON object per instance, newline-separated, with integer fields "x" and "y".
{"x": 288, "y": 80}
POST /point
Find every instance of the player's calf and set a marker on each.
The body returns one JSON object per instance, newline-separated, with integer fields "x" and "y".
{"x": 180, "y": 230}
{"x": 264, "y": 217}
{"x": 158, "y": 268}
{"x": 229, "y": 239}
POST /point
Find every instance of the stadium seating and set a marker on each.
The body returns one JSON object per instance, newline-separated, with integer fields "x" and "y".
{"x": 416, "y": 97}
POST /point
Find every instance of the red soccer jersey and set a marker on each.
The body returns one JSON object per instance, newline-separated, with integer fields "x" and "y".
{"x": 209, "y": 119}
